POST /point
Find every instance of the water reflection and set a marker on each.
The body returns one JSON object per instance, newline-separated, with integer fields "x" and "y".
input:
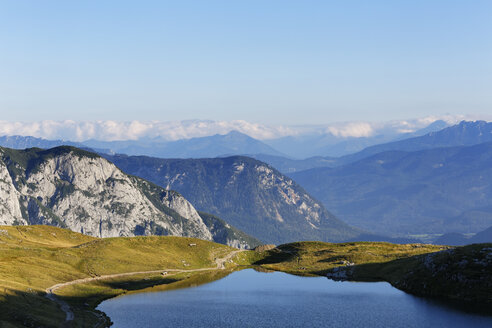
{"x": 254, "y": 299}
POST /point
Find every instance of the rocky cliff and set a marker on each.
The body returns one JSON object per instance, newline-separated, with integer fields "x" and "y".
{"x": 249, "y": 194}
{"x": 79, "y": 190}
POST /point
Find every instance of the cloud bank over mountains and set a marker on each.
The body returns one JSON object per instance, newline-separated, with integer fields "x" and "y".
{"x": 176, "y": 130}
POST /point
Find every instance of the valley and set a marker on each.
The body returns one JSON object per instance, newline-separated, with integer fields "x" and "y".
{"x": 440, "y": 190}
{"x": 79, "y": 271}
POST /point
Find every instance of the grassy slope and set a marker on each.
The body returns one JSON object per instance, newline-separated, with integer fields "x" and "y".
{"x": 462, "y": 274}
{"x": 318, "y": 258}
{"x": 33, "y": 258}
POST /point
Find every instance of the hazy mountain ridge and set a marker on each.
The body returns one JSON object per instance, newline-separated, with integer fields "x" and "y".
{"x": 289, "y": 165}
{"x": 23, "y": 142}
{"x": 430, "y": 191}
{"x": 459, "y": 239}
{"x": 314, "y": 142}
{"x": 233, "y": 143}
{"x": 348, "y": 139}
{"x": 464, "y": 133}
{"x": 79, "y": 190}
{"x": 248, "y": 193}
{"x": 109, "y": 130}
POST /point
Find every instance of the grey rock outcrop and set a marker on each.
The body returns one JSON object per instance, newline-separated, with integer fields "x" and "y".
{"x": 249, "y": 194}
{"x": 81, "y": 191}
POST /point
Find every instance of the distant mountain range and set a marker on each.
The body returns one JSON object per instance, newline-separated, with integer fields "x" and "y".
{"x": 329, "y": 144}
{"x": 289, "y": 165}
{"x": 21, "y": 142}
{"x": 436, "y": 190}
{"x": 247, "y": 193}
{"x": 296, "y": 141}
{"x": 320, "y": 144}
{"x": 232, "y": 143}
{"x": 463, "y": 134}
{"x": 72, "y": 188}
{"x": 459, "y": 239}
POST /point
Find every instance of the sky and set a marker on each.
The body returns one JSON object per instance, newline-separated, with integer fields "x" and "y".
{"x": 269, "y": 62}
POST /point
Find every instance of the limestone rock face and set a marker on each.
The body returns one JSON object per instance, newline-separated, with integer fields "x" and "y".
{"x": 9, "y": 206}
{"x": 71, "y": 188}
{"x": 247, "y": 193}
{"x": 178, "y": 203}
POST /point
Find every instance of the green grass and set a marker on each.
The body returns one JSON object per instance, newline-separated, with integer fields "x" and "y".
{"x": 318, "y": 258}
{"x": 33, "y": 258}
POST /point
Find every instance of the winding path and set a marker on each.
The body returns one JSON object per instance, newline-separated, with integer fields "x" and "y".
{"x": 69, "y": 316}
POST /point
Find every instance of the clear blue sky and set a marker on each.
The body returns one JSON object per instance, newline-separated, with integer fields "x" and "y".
{"x": 284, "y": 62}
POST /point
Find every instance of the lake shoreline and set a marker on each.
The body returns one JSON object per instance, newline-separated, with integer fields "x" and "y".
{"x": 219, "y": 294}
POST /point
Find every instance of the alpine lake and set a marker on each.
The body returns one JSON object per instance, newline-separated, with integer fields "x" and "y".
{"x": 250, "y": 298}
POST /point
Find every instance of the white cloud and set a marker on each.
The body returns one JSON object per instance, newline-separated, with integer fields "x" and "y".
{"x": 113, "y": 130}
{"x": 175, "y": 130}
{"x": 354, "y": 130}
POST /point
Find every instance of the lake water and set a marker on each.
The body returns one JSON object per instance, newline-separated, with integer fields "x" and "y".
{"x": 253, "y": 299}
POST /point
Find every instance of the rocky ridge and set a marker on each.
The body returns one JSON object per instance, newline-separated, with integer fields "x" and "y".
{"x": 249, "y": 194}
{"x": 71, "y": 188}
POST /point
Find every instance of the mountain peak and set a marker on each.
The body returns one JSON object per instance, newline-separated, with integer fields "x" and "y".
{"x": 249, "y": 194}
{"x": 76, "y": 189}
{"x": 465, "y": 133}
{"x": 236, "y": 133}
